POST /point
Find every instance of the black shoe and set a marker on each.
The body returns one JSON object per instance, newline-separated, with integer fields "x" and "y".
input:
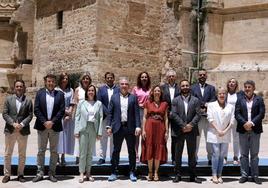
{"x": 209, "y": 163}
{"x": 243, "y": 180}
{"x": 37, "y": 178}
{"x": 77, "y": 160}
{"x": 21, "y": 179}
{"x": 6, "y": 179}
{"x": 52, "y": 178}
{"x": 257, "y": 180}
{"x": 173, "y": 163}
{"x": 196, "y": 180}
{"x": 177, "y": 179}
{"x": 101, "y": 161}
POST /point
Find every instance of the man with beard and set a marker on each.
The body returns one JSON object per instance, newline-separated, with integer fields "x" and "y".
{"x": 185, "y": 116}
{"x": 205, "y": 93}
{"x": 249, "y": 113}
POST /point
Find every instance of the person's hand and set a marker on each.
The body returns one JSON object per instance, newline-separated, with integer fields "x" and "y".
{"x": 166, "y": 135}
{"x": 137, "y": 131}
{"x": 221, "y": 133}
{"x": 143, "y": 135}
{"x": 76, "y": 135}
{"x": 248, "y": 126}
{"x": 109, "y": 131}
{"x": 48, "y": 124}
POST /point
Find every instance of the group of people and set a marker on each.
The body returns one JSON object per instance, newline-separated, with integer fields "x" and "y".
{"x": 72, "y": 121}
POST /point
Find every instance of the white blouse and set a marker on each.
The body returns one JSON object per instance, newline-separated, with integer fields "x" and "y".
{"x": 221, "y": 117}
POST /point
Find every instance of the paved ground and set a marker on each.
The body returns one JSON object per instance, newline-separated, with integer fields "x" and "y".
{"x": 101, "y": 182}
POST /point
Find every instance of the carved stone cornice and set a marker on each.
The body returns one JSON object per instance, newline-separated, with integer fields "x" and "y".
{"x": 7, "y": 7}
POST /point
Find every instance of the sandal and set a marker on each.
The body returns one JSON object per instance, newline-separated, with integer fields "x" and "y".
{"x": 214, "y": 179}
{"x": 90, "y": 178}
{"x": 156, "y": 178}
{"x": 220, "y": 180}
{"x": 81, "y": 180}
{"x": 150, "y": 176}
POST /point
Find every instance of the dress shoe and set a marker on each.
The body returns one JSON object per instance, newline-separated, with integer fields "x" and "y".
{"x": 243, "y": 179}
{"x": 21, "y": 179}
{"x": 209, "y": 163}
{"x": 6, "y": 179}
{"x": 52, "y": 178}
{"x": 195, "y": 179}
{"x": 37, "y": 178}
{"x": 173, "y": 163}
{"x": 112, "y": 177}
{"x": 257, "y": 180}
{"x": 177, "y": 179}
{"x": 90, "y": 178}
{"x": 132, "y": 177}
{"x": 77, "y": 160}
{"x": 101, "y": 161}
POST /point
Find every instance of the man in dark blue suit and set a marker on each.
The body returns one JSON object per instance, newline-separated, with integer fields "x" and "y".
{"x": 49, "y": 108}
{"x": 104, "y": 95}
{"x": 124, "y": 123}
{"x": 205, "y": 93}
{"x": 249, "y": 113}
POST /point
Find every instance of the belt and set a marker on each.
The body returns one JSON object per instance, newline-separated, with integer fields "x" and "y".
{"x": 124, "y": 123}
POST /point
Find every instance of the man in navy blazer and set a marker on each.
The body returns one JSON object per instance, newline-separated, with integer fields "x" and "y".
{"x": 49, "y": 108}
{"x": 124, "y": 123}
{"x": 249, "y": 113}
{"x": 205, "y": 93}
{"x": 104, "y": 95}
{"x": 170, "y": 91}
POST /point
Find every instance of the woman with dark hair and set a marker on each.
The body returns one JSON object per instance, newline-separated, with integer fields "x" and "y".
{"x": 66, "y": 137}
{"x": 88, "y": 128}
{"x": 80, "y": 91}
{"x": 142, "y": 91}
{"x": 232, "y": 95}
{"x": 154, "y": 132}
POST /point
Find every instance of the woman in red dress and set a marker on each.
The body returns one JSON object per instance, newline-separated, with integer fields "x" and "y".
{"x": 154, "y": 133}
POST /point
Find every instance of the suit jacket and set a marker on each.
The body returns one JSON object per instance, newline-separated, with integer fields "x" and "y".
{"x": 133, "y": 113}
{"x": 24, "y": 115}
{"x": 166, "y": 94}
{"x": 179, "y": 119}
{"x": 81, "y": 117}
{"x": 257, "y": 114}
{"x": 102, "y": 96}
{"x": 209, "y": 93}
{"x": 40, "y": 110}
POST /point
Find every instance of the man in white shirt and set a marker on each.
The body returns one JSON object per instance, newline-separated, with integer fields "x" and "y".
{"x": 49, "y": 109}
{"x": 18, "y": 113}
{"x": 124, "y": 123}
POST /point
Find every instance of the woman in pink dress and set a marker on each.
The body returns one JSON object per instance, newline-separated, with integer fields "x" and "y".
{"x": 142, "y": 91}
{"x": 154, "y": 133}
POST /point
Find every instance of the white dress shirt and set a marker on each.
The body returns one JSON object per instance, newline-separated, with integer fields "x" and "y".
{"x": 91, "y": 113}
{"x": 202, "y": 88}
{"x": 124, "y": 107}
{"x": 171, "y": 91}
{"x": 50, "y": 96}
{"x": 186, "y": 102}
{"x": 18, "y": 103}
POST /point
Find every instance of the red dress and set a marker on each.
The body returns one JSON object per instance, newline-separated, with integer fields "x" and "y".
{"x": 154, "y": 146}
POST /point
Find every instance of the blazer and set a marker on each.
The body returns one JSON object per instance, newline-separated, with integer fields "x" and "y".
{"x": 81, "y": 117}
{"x": 102, "y": 96}
{"x": 40, "y": 110}
{"x": 24, "y": 115}
{"x": 257, "y": 114}
{"x": 179, "y": 118}
{"x": 133, "y": 113}
{"x": 209, "y": 93}
{"x": 166, "y": 94}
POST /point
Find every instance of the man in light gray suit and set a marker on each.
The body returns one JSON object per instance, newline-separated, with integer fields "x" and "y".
{"x": 17, "y": 112}
{"x": 185, "y": 114}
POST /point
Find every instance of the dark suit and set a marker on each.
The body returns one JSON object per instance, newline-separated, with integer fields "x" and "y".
{"x": 179, "y": 120}
{"x": 249, "y": 140}
{"x": 167, "y": 98}
{"x": 45, "y": 135}
{"x": 124, "y": 130}
{"x": 23, "y": 117}
{"x": 208, "y": 96}
{"x": 103, "y": 96}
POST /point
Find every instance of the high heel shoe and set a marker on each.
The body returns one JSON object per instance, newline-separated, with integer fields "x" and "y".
{"x": 214, "y": 179}
{"x": 89, "y": 178}
{"x": 156, "y": 177}
{"x": 81, "y": 180}
{"x": 150, "y": 176}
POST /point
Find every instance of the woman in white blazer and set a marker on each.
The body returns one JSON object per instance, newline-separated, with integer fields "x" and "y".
{"x": 88, "y": 128}
{"x": 220, "y": 117}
